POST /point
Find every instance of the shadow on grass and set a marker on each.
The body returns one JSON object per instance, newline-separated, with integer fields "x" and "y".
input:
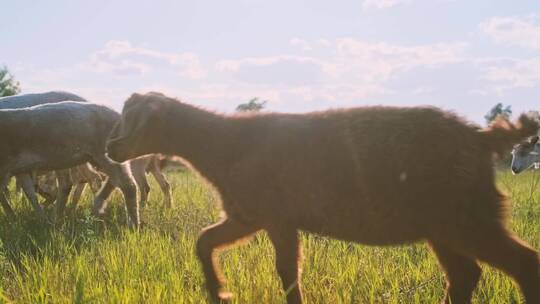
{"x": 27, "y": 235}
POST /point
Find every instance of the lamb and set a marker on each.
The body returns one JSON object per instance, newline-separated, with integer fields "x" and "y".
{"x": 525, "y": 155}
{"x": 79, "y": 176}
{"x": 373, "y": 175}
{"x": 59, "y": 136}
{"x": 150, "y": 163}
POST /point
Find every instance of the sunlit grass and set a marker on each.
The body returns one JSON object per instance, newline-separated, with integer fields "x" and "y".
{"x": 84, "y": 260}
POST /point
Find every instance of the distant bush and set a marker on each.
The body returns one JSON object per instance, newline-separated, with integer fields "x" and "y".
{"x": 8, "y": 85}
{"x": 253, "y": 105}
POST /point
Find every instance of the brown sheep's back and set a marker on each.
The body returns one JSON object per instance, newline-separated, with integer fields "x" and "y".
{"x": 377, "y": 175}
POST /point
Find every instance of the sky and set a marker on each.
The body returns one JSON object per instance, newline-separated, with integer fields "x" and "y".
{"x": 301, "y": 56}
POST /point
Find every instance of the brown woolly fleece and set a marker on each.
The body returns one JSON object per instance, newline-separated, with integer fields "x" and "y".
{"x": 373, "y": 175}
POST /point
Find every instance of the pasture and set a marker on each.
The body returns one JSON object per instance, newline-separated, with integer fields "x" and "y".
{"x": 86, "y": 260}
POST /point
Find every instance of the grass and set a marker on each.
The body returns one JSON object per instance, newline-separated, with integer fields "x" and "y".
{"x": 85, "y": 260}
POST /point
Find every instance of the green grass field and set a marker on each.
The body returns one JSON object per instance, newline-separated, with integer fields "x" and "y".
{"x": 85, "y": 260}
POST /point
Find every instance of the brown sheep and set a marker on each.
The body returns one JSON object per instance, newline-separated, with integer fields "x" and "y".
{"x": 373, "y": 175}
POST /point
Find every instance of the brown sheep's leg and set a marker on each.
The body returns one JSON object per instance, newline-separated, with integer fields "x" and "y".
{"x": 288, "y": 261}
{"x": 214, "y": 237}
{"x": 509, "y": 254}
{"x": 462, "y": 274}
{"x": 162, "y": 181}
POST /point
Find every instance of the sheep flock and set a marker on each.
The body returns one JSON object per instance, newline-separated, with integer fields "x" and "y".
{"x": 377, "y": 175}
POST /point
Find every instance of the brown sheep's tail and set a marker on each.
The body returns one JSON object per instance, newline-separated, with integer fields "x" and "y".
{"x": 502, "y": 134}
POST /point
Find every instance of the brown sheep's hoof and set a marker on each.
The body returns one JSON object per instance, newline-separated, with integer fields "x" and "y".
{"x": 221, "y": 297}
{"x": 225, "y": 296}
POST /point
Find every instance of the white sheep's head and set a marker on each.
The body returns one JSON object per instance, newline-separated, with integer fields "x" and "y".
{"x": 526, "y": 155}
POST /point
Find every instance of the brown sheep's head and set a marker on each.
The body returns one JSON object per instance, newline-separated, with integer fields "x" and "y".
{"x": 133, "y": 135}
{"x": 525, "y": 155}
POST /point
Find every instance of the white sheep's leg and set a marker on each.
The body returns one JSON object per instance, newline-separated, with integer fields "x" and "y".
{"x": 76, "y": 197}
{"x": 139, "y": 174}
{"x": 100, "y": 201}
{"x": 64, "y": 188}
{"x": 119, "y": 176}
{"x": 4, "y": 200}
{"x": 162, "y": 181}
{"x": 48, "y": 189}
{"x": 18, "y": 188}
{"x": 95, "y": 182}
{"x": 29, "y": 189}
{"x": 49, "y": 197}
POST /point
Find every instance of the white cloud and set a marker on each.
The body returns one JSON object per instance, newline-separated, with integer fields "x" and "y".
{"x": 235, "y": 65}
{"x": 353, "y": 69}
{"x": 277, "y": 69}
{"x": 507, "y": 74}
{"x": 380, "y": 61}
{"x": 301, "y": 43}
{"x": 218, "y": 96}
{"x": 423, "y": 90}
{"x": 104, "y": 76}
{"x": 513, "y": 31}
{"x": 121, "y": 57}
{"x": 382, "y": 4}
{"x": 324, "y": 42}
{"x": 334, "y": 73}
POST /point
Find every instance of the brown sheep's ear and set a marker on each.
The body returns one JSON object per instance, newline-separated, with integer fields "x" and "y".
{"x": 132, "y": 99}
{"x": 134, "y": 96}
{"x": 155, "y": 107}
{"x": 533, "y": 140}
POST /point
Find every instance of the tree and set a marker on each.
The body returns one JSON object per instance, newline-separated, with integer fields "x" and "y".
{"x": 498, "y": 110}
{"x": 8, "y": 85}
{"x": 253, "y": 105}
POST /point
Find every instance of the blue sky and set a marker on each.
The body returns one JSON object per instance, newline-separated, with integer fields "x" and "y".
{"x": 299, "y": 55}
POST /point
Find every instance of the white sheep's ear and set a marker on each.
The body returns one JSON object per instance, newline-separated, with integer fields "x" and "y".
{"x": 537, "y": 165}
{"x": 534, "y": 153}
